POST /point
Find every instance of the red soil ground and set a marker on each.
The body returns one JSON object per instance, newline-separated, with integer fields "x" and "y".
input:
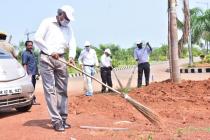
{"x": 183, "y": 109}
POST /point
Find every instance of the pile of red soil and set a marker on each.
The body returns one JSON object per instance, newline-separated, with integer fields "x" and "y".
{"x": 179, "y": 106}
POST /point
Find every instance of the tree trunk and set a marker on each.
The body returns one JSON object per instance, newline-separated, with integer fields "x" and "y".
{"x": 174, "y": 42}
{"x": 169, "y": 43}
{"x": 180, "y": 46}
{"x": 187, "y": 30}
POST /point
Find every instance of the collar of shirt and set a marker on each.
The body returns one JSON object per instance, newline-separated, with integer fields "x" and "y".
{"x": 54, "y": 20}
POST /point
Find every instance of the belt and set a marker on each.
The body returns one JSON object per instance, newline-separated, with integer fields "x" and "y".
{"x": 143, "y": 63}
{"x": 105, "y": 67}
{"x": 89, "y": 65}
{"x": 60, "y": 55}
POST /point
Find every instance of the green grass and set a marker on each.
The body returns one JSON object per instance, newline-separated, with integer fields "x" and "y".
{"x": 146, "y": 137}
{"x": 125, "y": 90}
{"x": 190, "y": 129}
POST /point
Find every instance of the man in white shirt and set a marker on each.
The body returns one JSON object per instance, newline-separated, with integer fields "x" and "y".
{"x": 88, "y": 60}
{"x": 106, "y": 68}
{"x": 141, "y": 54}
{"x": 53, "y": 36}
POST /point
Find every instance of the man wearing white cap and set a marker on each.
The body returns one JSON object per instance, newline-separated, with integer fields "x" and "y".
{"x": 106, "y": 68}
{"x": 88, "y": 60}
{"x": 141, "y": 54}
{"x": 53, "y": 37}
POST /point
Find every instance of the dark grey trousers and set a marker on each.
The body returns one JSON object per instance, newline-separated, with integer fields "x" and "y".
{"x": 55, "y": 80}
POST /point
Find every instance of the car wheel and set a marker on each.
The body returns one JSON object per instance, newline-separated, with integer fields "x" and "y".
{"x": 24, "y": 108}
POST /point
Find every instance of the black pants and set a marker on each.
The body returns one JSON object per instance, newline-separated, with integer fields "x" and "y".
{"x": 106, "y": 77}
{"x": 143, "y": 67}
{"x": 33, "y": 80}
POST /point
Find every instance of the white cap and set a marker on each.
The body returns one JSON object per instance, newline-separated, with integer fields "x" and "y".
{"x": 138, "y": 42}
{"x": 69, "y": 11}
{"x": 108, "y": 51}
{"x": 87, "y": 43}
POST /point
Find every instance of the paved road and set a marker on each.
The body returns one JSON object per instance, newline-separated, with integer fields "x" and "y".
{"x": 158, "y": 73}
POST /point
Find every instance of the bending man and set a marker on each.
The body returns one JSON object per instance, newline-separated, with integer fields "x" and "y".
{"x": 53, "y": 36}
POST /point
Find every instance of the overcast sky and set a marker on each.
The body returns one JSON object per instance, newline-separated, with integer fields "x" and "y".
{"x": 122, "y": 22}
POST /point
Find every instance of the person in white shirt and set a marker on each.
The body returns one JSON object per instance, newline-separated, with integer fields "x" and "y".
{"x": 88, "y": 60}
{"x": 53, "y": 36}
{"x": 106, "y": 68}
{"x": 141, "y": 54}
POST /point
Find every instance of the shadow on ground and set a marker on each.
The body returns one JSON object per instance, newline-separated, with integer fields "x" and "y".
{"x": 44, "y": 123}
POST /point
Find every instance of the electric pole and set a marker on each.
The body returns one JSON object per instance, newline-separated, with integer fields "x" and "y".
{"x": 27, "y": 33}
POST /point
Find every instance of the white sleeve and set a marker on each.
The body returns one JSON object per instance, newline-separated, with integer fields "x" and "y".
{"x": 39, "y": 37}
{"x": 96, "y": 59}
{"x": 149, "y": 50}
{"x": 72, "y": 45}
{"x": 103, "y": 61}
{"x": 81, "y": 57}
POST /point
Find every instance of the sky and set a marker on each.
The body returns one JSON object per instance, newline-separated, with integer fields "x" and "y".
{"x": 122, "y": 22}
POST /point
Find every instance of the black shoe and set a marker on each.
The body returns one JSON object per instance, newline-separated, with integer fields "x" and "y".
{"x": 59, "y": 127}
{"x": 66, "y": 125}
{"x": 34, "y": 100}
{"x": 103, "y": 91}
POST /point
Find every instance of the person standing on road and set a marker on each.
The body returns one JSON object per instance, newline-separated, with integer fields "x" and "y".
{"x": 29, "y": 63}
{"x": 106, "y": 68}
{"x": 88, "y": 60}
{"x": 53, "y": 36}
{"x": 141, "y": 55}
{"x": 7, "y": 46}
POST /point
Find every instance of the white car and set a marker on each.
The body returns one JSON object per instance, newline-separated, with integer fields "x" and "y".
{"x": 16, "y": 89}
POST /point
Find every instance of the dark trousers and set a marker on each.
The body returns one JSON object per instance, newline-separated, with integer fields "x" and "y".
{"x": 33, "y": 80}
{"x": 106, "y": 77}
{"x": 143, "y": 67}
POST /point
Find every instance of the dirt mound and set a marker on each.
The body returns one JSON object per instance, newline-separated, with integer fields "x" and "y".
{"x": 194, "y": 91}
{"x": 111, "y": 106}
{"x": 183, "y": 109}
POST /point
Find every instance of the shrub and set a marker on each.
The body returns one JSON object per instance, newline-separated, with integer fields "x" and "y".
{"x": 207, "y": 58}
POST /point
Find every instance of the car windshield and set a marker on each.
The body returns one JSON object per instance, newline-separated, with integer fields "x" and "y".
{"x": 4, "y": 54}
